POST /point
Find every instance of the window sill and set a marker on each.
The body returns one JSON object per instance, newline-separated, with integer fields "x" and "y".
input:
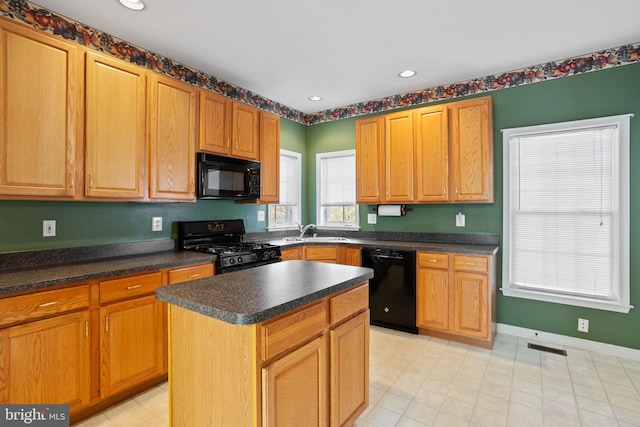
{"x": 567, "y": 300}
{"x": 338, "y": 227}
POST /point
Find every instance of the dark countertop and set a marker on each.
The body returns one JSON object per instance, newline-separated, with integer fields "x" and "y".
{"x": 33, "y": 278}
{"x": 464, "y": 248}
{"x": 253, "y": 295}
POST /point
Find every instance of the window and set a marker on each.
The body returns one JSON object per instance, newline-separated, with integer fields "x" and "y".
{"x": 566, "y": 213}
{"x": 336, "y": 190}
{"x": 286, "y": 214}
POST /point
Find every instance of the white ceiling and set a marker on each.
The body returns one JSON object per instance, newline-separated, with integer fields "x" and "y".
{"x": 349, "y": 51}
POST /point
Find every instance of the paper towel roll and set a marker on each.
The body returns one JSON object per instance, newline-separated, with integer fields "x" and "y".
{"x": 390, "y": 210}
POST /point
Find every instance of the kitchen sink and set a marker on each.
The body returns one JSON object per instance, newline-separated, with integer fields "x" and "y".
{"x": 315, "y": 239}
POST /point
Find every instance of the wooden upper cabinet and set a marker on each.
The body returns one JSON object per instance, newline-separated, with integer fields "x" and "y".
{"x": 432, "y": 154}
{"x": 116, "y": 147}
{"x": 172, "y": 138}
{"x": 269, "y": 157}
{"x": 41, "y": 88}
{"x": 472, "y": 150}
{"x": 369, "y": 160}
{"x": 245, "y": 132}
{"x": 399, "y": 163}
{"x": 215, "y": 123}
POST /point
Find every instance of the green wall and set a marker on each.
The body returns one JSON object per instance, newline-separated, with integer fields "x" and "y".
{"x": 95, "y": 223}
{"x": 603, "y": 93}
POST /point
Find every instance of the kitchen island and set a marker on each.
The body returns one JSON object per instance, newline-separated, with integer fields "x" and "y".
{"x": 285, "y": 344}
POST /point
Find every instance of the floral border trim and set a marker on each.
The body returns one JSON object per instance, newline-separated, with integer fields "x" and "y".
{"x": 623, "y": 55}
{"x": 47, "y": 21}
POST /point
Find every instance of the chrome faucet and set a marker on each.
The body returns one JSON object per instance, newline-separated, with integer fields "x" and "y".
{"x": 304, "y": 229}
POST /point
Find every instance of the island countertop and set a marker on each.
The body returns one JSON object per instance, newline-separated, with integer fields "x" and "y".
{"x": 257, "y": 294}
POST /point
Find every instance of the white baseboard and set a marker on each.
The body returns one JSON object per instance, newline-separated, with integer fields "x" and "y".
{"x": 615, "y": 350}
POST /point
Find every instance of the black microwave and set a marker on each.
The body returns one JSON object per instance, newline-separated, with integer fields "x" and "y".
{"x": 221, "y": 177}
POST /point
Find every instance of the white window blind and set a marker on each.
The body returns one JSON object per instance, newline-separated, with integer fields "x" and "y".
{"x": 566, "y": 212}
{"x": 286, "y": 213}
{"x": 336, "y": 189}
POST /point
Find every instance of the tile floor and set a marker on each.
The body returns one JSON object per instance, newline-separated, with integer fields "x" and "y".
{"x": 420, "y": 381}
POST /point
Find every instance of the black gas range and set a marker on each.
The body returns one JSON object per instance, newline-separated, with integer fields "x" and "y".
{"x": 225, "y": 239}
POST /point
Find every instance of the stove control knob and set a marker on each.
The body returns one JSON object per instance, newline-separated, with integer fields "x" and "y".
{"x": 239, "y": 259}
{"x": 232, "y": 261}
{"x": 254, "y": 257}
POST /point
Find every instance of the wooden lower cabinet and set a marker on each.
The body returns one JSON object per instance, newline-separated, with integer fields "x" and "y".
{"x": 308, "y": 367}
{"x": 351, "y": 255}
{"x": 328, "y": 253}
{"x": 456, "y": 296}
{"x": 290, "y": 253}
{"x": 349, "y": 370}
{"x": 298, "y": 380}
{"x": 131, "y": 343}
{"x": 88, "y": 345}
{"x": 46, "y": 361}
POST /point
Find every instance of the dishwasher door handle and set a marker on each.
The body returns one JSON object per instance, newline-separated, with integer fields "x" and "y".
{"x": 389, "y": 257}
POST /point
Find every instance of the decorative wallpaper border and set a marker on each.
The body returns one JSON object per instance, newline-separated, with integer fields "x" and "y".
{"x": 47, "y": 21}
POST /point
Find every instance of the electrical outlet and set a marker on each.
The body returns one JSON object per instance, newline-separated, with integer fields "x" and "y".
{"x": 49, "y": 228}
{"x": 372, "y": 218}
{"x": 583, "y": 325}
{"x": 460, "y": 219}
{"x": 260, "y": 216}
{"x": 156, "y": 223}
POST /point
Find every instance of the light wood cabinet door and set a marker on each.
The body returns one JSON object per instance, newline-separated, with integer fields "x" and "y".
{"x": 214, "y": 123}
{"x": 349, "y": 370}
{"x": 432, "y": 154}
{"x": 131, "y": 343}
{"x": 352, "y": 256}
{"x": 321, "y": 253}
{"x": 433, "y": 298}
{"x": 116, "y": 143}
{"x": 370, "y": 160}
{"x": 399, "y": 162}
{"x": 41, "y": 89}
{"x": 172, "y": 138}
{"x": 245, "y": 132}
{"x": 291, "y": 253}
{"x": 269, "y": 158}
{"x": 470, "y": 305}
{"x": 295, "y": 388}
{"x": 46, "y": 362}
{"x": 472, "y": 150}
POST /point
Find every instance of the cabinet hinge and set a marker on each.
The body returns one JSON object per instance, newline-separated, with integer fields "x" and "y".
{"x": 86, "y": 329}
{"x": 106, "y": 324}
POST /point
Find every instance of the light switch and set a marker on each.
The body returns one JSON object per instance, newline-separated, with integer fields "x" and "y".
{"x": 260, "y": 216}
{"x": 460, "y": 219}
{"x": 372, "y": 218}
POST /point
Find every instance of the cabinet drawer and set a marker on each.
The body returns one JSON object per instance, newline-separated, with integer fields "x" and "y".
{"x": 42, "y": 304}
{"x": 322, "y": 253}
{"x": 286, "y": 332}
{"x": 127, "y": 287}
{"x": 190, "y": 273}
{"x": 471, "y": 263}
{"x": 433, "y": 259}
{"x": 349, "y": 303}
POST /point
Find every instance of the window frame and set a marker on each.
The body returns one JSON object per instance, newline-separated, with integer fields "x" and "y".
{"x": 319, "y": 218}
{"x": 294, "y": 226}
{"x": 622, "y": 303}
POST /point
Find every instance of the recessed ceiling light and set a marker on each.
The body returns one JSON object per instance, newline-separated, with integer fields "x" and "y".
{"x": 315, "y": 98}
{"x": 407, "y": 73}
{"x": 132, "y": 4}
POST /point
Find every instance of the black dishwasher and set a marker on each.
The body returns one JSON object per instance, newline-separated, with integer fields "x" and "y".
{"x": 392, "y": 291}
